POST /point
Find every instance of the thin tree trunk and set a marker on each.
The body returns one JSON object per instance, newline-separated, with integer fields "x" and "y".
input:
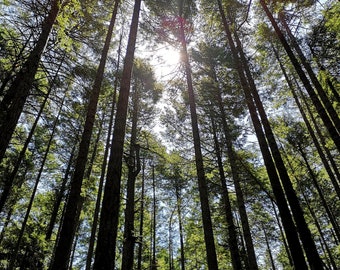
{"x": 60, "y": 194}
{"x": 309, "y": 127}
{"x": 13, "y": 102}
{"x": 35, "y": 188}
{"x": 322, "y": 94}
{"x": 103, "y": 168}
{"x": 232, "y": 235}
{"x": 288, "y": 224}
{"x": 154, "y": 209}
{"x": 318, "y": 226}
{"x": 236, "y": 179}
{"x": 180, "y": 223}
{"x": 141, "y": 220}
{"x": 284, "y": 241}
{"x": 10, "y": 181}
{"x": 268, "y": 248}
{"x": 322, "y": 139}
{"x": 108, "y": 227}
{"x": 202, "y": 183}
{"x": 239, "y": 193}
{"x": 134, "y": 167}
{"x": 68, "y": 227}
{"x": 318, "y": 105}
{"x": 171, "y": 252}
{"x": 320, "y": 192}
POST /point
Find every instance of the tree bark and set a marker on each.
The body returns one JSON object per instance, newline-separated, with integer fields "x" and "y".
{"x": 288, "y": 224}
{"x": 202, "y": 183}
{"x": 14, "y": 100}
{"x": 68, "y": 227}
{"x": 333, "y": 130}
{"x": 232, "y": 235}
{"x": 322, "y": 94}
{"x": 107, "y": 235}
{"x": 133, "y": 163}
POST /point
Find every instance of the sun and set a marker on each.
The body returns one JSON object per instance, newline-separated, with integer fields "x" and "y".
{"x": 168, "y": 61}
{"x": 170, "y": 56}
{"x": 164, "y": 59}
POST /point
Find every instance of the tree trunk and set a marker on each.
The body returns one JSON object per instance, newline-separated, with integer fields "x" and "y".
{"x": 318, "y": 105}
{"x": 171, "y": 252}
{"x": 283, "y": 236}
{"x": 309, "y": 127}
{"x": 35, "y": 188}
{"x": 107, "y": 235}
{"x": 301, "y": 224}
{"x": 320, "y": 192}
{"x": 10, "y": 181}
{"x": 141, "y": 220}
{"x": 14, "y": 100}
{"x": 202, "y": 183}
{"x": 232, "y": 235}
{"x": 133, "y": 163}
{"x": 322, "y": 139}
{"x": 103, "y": 170}
{"x": 318, "y": 226}
{"x": 288, "y": 224}
{"x": 68, "y": 227}
{"x": 239, "y": 193}
{"x": 180, "y": 223}
{"x": 154, "y": 209}
{"x": 268, "y": 248}
{"x": 322, "y": 94}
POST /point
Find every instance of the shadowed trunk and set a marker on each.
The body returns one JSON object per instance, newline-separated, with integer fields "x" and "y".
{"x": 288, "y": 224}
{"x": 332, "y": 129}
{"x": 202, "y": 183}
{"x": 68, "y": 227}
{"x": 108, "y": 227}
{"x": 14, "y": 100}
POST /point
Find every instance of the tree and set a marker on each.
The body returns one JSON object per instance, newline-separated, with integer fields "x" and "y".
{"x": 106, "y": 243}
{"x": 289, "y": 226}
{"x": 143, "y": 82}
{"x": 13, "y": 101}
{"x": 68, "y": 227}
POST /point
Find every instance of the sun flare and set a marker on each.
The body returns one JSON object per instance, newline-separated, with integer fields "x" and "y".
{"x": 170, "y": 56}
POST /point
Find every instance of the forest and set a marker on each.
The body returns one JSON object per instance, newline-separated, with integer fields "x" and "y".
{"x": 170, "y": 134}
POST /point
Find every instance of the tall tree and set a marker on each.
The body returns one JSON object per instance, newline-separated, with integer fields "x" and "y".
{"x": 107, "y": 235}
{"x": 287, "y": 220}
{"x": 331, "y": 127}
{"x": 202, "y": 183}
{"x": 14, "y": 100}
{"x": 143, "y": 82}
{"x": 72, "y": 208}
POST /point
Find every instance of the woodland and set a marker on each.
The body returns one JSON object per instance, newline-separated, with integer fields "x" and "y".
{"x": 170, "y": 134}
